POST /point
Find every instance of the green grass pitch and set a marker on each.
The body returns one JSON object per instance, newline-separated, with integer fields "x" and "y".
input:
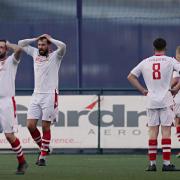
{"x": 87, "y": 167}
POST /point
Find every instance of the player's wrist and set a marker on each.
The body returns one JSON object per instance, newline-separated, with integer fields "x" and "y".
{"x": 144, "y": 92}
{"x": 35, "y": 39}
{"x": 7, "y": 43}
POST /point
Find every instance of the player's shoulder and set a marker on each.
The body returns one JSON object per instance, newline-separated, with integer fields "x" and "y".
{"x": 54, "y": 54}
{"x": 169, "y": 57}
{"x": 145, "y": 60}
{"x": 10, "y": 57}
{"x": 141, "y": 63}
{"x": 173, "y": 60}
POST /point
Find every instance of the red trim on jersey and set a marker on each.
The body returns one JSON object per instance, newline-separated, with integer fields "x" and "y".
{"x": 55, "y": 99}
{"x": 159, "y": 54}
{"x": 14, "y": 106}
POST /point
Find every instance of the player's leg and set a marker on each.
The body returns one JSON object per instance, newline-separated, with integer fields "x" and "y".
{"x": 49, "y": 111}
{"x": 153, "y": 127}
{"x": 16, "y": 147}
{"x": 152, "y": 152}
{"x": 166, "y": 144}
{"x": 46, "y": 138}
{"x": 34, "y": 113}
{"x": 177, "y": 123}
{"x": 167, "y": 117}
{"x": 34, "y": 131}
{"x": 9, "y": 126}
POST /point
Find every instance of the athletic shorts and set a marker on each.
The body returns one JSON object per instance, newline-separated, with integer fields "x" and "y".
{"x": 177, "y": 110}
{"x": 163, "y": 116}
{"x": 8, "y": 117}
{"x": 43, "y": 107}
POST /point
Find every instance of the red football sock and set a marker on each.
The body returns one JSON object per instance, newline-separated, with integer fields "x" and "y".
{"x": 166, "y": 149}
{"x": 36, "y": 135}
{"x": 45, "y": 142}
{"x": 16, "y": 147}
{"x": 178, "y": 133}
{"x": 152, "y": 149}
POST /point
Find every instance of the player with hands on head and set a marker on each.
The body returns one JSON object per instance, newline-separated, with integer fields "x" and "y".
{"x": 44, "y": 103}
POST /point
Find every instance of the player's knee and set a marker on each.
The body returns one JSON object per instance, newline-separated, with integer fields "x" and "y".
{"x": 153, "y": 132}
{"x": 166, "y": 132}
{"x": 31, "y": 125}
{"x": 178, "y": 122}
{"x": 46, "y": 125}
{"x": 10, "y": 137}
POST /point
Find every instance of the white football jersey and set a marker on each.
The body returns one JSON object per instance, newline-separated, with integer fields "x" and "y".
{"x": 45, "y": 70}
{"x": 177, "y": 97}
{"x": 8, "y": 70}
{"x": 157, "y": 72}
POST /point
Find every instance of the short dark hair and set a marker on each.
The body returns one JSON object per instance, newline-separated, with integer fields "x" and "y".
{"x": 3, "y": 40}
{"x": 42, "y": 38}
{"x": 159, "y": 44}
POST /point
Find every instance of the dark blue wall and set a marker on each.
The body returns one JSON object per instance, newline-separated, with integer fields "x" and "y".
{"x": 110, "y": 48}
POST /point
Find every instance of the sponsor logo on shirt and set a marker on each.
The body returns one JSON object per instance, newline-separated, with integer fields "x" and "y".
{"x": 40, "y": 59}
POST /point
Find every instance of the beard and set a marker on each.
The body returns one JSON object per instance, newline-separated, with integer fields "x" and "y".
{"x": 2, "y": 55}
{"x": 43, "y": 52}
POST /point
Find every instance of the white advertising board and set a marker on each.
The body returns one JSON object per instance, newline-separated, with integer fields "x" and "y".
{"x": 123, "y": 123}
{"x": 72, "y": 129}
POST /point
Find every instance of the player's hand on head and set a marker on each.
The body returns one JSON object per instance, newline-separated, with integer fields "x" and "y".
{"x": 7, "y": 44}
{"x": 40, "y": 36}
{"x": 46, "y": 36}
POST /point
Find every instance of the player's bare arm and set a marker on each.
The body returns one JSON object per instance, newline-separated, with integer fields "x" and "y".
{"x": 134, "y": 81}
{"x": 17, "y": 50}
{"x": 60, "y": 45}
{"x": 174, "y": 90}
{"x": 174, "y": 82}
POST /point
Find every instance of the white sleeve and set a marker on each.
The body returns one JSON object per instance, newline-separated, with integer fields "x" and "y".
{"x": 26, "y": 47}
{"x": 30, "y": 50}
{"x": 58, "y": 55}
{"x": 13, "y": 60}
{"x": 61, "y": 48}
{"x": 137, "y": 70}
{"x": 175, "y": 74}
{"x": 176, "y": 65}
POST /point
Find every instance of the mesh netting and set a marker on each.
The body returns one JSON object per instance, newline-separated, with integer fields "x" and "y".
{"x": 129, "y": 11}
{"x": 134, "y": 11}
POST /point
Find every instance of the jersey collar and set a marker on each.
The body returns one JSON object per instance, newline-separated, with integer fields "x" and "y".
{"x": 159, "y": 54}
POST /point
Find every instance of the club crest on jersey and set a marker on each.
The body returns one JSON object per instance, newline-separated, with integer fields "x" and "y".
{"x": 40, "y": 59}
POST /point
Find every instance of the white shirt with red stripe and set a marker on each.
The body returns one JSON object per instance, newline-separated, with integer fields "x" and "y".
{"x": 157, "y": 72}
{"x": 45, "y": 70}
{"x": 177, "y": 97}
{"x": 8, "y": 69}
